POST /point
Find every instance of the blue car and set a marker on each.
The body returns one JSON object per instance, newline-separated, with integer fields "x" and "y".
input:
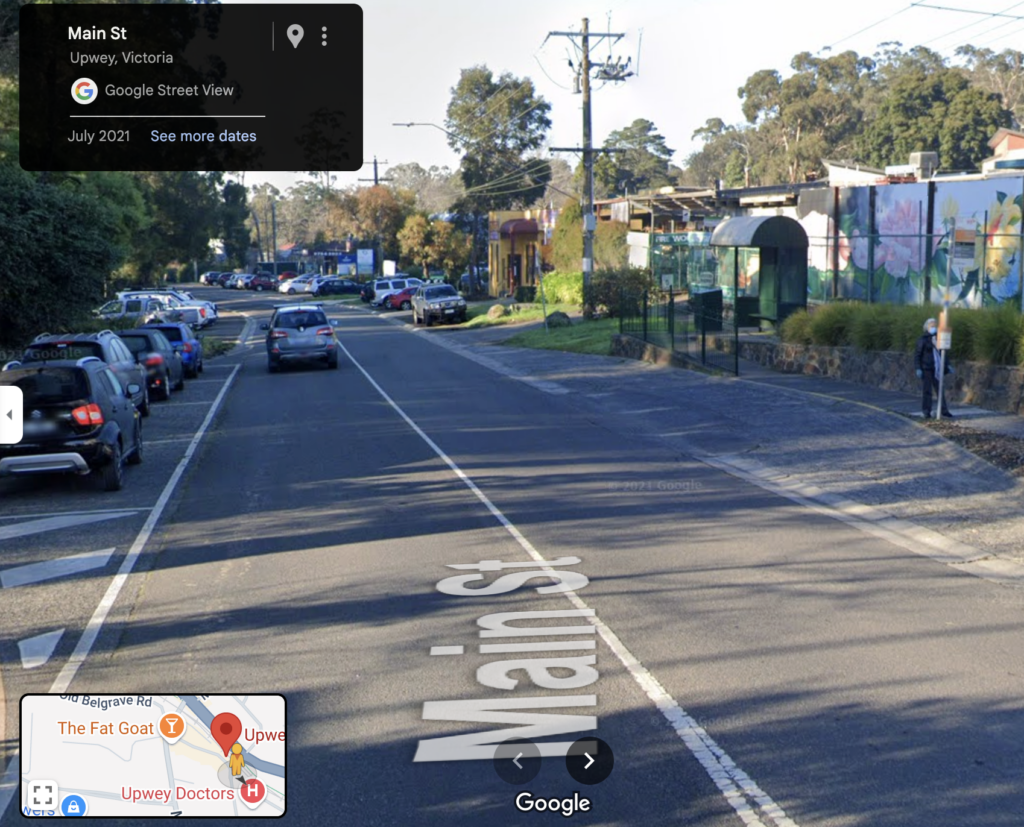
{"x": 185, "y": 342}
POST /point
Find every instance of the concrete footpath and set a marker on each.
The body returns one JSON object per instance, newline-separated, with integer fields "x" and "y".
{"x": 848, "y": 450}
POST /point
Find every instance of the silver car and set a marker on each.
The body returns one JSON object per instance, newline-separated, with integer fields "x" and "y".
{"x": 300, "y": 333}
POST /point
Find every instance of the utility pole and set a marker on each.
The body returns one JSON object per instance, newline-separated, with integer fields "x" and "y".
{"x": 614, "y": 71}
{"x": 273, "y": 226}
{"x": 378, "y": 256}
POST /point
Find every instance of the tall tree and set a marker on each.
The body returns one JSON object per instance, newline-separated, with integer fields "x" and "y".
{"x": 641, "y": 165}
{"x": 436, "y": 189}
{"x": 495, "y": 124}
{"x": 999, "y": 73}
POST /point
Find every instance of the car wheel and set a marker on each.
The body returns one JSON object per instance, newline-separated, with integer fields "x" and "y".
{"x": 273, "y": 367}
{"x": 415, "y": 318}
{"x": 291, "y": 291}
{"x": 332, "y": 363}
{"x": 406, "y": 305}
{"x": 113, "y": 471}
{"x": 181, "y": 381}
{"x": 166, "y": 385}
{"x": 144, "y": 407}
{"x": 200, "y": 368}
{"x": 135, "y": 458}
{"x": 259, "y": 288}
{"x": 427, "y": 320}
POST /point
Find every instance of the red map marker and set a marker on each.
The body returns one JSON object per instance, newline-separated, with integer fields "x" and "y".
{"x": 225, "y": 729}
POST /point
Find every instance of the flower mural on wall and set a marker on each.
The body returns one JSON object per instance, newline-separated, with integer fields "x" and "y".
{"x": 993, "y": 274}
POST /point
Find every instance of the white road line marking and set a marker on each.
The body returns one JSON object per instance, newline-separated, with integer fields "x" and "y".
{"x": 11, "y": 779}
{"x": 118, "y": 511}
{"x": 51, "y": 569}
{"x": 447, "y": 650}
{"x": 35, "y": 651}
{"x": 645, "y": 411}
{"x": 739, "y": 789}
{"x": 55, "y": 523}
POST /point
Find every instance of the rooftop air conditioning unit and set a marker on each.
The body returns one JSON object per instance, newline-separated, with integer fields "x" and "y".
{"x": 926, "y": 163}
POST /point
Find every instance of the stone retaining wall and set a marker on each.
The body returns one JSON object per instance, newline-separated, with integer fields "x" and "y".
{"x": 994, "y": 387}
{"x": 974, "y": 383}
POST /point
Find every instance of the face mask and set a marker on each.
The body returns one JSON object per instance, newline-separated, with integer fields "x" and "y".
{"x": 931, "y": 330}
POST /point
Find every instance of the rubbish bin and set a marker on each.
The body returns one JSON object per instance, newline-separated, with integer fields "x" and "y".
{"x": 707, "y": 310}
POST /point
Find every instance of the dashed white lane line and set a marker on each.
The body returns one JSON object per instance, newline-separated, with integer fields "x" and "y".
{"x": 54, "y": 523}
{"x": 51, "y": 569}
{"x": 740, "y": 791}
{"x": 10, "y": 782}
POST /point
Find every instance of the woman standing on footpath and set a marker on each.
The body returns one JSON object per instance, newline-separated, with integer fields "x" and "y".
{"x": 927, "y": 361}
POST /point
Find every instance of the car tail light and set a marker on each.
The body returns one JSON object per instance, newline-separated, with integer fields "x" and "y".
{"x": 154, "y": 359}
{"x": 88, "y": 414}
{"x": 187, "y": 347}
{"x": 324, "y": 331}
{"x": 278, "y": 334}
{"x": 202, "y": 312}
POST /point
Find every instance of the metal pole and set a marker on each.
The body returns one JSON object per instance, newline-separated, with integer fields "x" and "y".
{"x": 588, "y": 178}
{"x": 645, "y": 315}
{"x": 273, "y": 220}
{"x": 945, "y": 320}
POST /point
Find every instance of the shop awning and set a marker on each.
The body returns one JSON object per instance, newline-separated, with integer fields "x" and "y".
{"x": 519, "y": 226}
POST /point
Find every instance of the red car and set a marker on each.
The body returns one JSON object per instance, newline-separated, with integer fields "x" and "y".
{"x": 261, "y": 282}
{"x": 401, "y": 300}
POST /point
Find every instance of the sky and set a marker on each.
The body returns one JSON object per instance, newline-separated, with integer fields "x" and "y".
{"x": 690, "y": 58}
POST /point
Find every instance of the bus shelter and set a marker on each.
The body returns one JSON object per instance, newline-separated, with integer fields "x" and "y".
{"x": 765, "y": 258}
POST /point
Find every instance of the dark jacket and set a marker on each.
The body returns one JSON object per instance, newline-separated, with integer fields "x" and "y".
{"x": 925, "y": 355}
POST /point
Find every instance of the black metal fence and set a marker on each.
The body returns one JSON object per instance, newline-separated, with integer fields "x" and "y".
{"x": 700, "y": 328}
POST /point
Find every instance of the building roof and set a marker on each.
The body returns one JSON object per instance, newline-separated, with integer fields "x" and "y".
{"x": 759, "y": 231}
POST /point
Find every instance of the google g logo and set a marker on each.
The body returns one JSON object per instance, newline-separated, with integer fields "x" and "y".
{"x": 84, "y": 91}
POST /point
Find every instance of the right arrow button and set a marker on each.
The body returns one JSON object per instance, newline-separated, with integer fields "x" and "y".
{"x": 589, "y": 760}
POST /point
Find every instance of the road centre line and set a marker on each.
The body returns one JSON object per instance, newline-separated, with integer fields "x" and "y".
{"x": 11, "y": 779}
{"x": 739, "y": 790}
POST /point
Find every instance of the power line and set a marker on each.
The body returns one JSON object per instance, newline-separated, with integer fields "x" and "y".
{"x": 861, "y": 31}
{"x": 967, "y": 11}
{"x": 960, "y": 29}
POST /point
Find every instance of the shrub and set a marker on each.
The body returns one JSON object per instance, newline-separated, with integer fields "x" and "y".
{"x": 997, "y": 335}
{"x": 831, "y": 323}
{"x": 872, "y": 327}
{"x": 796, "y": 329}
{"x": 611, "y": 287}
{"x": 563, "y": 288}
{"x": 525, "y": 293}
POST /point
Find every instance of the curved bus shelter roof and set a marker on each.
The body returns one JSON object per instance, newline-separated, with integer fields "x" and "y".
{"x": 759, "y": 231}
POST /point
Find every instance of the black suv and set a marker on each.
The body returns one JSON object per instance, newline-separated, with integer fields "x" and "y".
{"x": 105, "y": 345}
{"x": 77, "y": 418}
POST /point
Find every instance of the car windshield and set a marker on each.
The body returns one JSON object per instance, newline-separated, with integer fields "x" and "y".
{"x": 137, "y": 344}
{"x": 444, "y": 291}
{"x": 300, "y": 318}
{"x": 48, "y": 386}
{"x": 63, "y": 350}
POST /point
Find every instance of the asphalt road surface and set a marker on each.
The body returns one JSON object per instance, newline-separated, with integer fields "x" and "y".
{"x": 747, "y": 660}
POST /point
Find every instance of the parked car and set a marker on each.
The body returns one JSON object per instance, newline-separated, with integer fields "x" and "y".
{"x": 402, "y": 300}
{"x": 162, "y": 363}
{"x": 105, "y": 345}
{"x": 286, "y": 275}
{"x": 300, "y": 332}
{"x": 295, "y": 285}
{"x": 182, "y": 296}
{"x": 186, "y": 342}
{"x": 134, "y": 308}
{"x": 366, "y": 292}
{"x": 195, "y": 317}
{"x": 223, "y": 278}
{"x": 241, "y": 281}
{"x": 176, "y": 301}
{"x": 261, "y": 282}
{"x": 208, "y": 278}
{"x": 78, "y": 418}
{"x": 383, "y": 288}
{"x": 336, "y": 287}
{"x": 435, "y": 303}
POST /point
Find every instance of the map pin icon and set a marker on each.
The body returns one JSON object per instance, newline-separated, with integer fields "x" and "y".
{"x": 295, "y": 34}
{"x": 225, "y": 729}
